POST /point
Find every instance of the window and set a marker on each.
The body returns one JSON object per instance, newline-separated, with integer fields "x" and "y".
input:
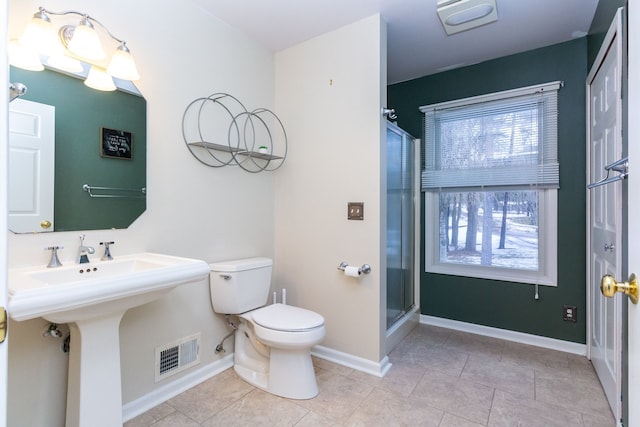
{"x": 490, "y": 179}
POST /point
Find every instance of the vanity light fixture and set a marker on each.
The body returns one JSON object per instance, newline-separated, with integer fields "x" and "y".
{"x": 461, "y": 15}
{"x": 99, "y": 79}
{"x": 67, "y": 45}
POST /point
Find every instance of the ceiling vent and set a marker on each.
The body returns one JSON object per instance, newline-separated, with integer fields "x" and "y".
{"x": 462, "y": 15}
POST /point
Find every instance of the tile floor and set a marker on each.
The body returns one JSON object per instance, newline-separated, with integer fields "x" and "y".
{"x": 439, "y": 377}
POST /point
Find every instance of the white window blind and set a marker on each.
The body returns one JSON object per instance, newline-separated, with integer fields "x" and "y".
{"x": 505, "y": 140}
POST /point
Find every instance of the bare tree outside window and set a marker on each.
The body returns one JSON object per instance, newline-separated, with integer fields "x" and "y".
{"x": 501, "y": 232}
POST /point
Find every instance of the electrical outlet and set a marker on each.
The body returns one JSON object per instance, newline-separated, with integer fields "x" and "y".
{"x": 569, "y": 313}
{"x": 355, "y": 210}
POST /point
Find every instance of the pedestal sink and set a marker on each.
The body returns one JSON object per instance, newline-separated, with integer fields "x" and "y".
{"x": 92, "y": 298}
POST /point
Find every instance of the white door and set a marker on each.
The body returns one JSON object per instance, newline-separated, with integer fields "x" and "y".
{"x": 605, "y": 213}
{"x": 31, "y": 166}
{"x": 633, "y": 207}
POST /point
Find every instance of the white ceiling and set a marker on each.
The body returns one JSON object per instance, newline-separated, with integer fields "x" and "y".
{"x": 416, "y": 42}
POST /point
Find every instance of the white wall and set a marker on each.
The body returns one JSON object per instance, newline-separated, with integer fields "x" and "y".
{"x": 192, "y": 210}
{"x": 329, "y": 92}
{"x": 4, "y": 353}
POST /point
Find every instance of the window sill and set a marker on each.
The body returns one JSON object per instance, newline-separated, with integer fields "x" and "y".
{"x": 493, "y": 273}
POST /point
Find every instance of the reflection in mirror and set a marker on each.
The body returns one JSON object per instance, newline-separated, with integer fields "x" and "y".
{"x": 84, "y": 154}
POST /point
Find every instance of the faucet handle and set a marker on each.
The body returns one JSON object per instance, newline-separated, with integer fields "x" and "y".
{"x": 107, "y": 253}
{"x": 54, "y": 262}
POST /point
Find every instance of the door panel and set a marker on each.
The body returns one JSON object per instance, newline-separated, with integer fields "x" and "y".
{"x": 605, "y": 215}
{"x": 31, "y": 166}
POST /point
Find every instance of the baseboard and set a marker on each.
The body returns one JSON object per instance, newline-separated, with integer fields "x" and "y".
{"x": 173, "y": 388}
{"x": 520, "y": 337}
{"x": 358, "y": 363}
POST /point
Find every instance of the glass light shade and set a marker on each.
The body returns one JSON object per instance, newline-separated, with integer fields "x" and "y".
{"x": 39, "y": 33}
{"x": 65, "y": 63}
{"x": 122, "y": 64}
{"x": 98, "y": 79}
{"x": 85, "y": 41}
{"x": 24, "y": 57}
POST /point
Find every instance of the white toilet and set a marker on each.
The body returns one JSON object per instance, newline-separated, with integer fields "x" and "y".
{"x": 272, "y": 343}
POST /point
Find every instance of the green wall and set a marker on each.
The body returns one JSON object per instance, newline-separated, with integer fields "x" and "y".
{"x": 509, "y": 305}
{"x": 80, "y": 114}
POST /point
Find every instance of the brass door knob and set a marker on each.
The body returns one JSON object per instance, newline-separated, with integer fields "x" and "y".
{"x": 45, "y": 224}
{"x": 609, "y": 287}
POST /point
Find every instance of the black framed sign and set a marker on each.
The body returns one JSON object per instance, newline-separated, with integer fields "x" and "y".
{"x": 115, "y": 143}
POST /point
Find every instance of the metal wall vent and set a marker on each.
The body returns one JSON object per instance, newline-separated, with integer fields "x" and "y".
{"x": 177, "y": 356}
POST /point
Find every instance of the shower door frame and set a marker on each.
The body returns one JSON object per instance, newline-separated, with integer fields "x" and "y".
{"x": 409, "y": 312}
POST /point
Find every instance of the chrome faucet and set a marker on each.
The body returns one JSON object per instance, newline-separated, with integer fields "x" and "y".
{"x": 55, "y": 261}
{"x": 84, "y": 251}
{"x": 107, "y": 252}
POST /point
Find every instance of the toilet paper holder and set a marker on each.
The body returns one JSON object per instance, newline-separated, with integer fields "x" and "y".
{"x": 366, "y": 268}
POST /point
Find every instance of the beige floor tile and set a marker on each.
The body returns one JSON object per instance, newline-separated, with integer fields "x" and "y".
{"x": 319, "y": 363}
{"x": 510, "y": 410}
{"x": 459, "y": 397}
{"x": 210, "y": 397}
{"x": 430, "y": 334}
{"x": 314, "y": 420}
{"x": 176, "y": 419}
{"x": 453, "y": 421}
{"x": 258, "y": 408}
{"x": 603, "y": 420}
{"x": 412, "y": 344}
{"x": 438, "y": 375}
{"x": 541, "y": 359}
{"x": 479, "y": 345}
{"x": 451, "y": 362}
{"x": 338, "y": 396}
{"x": 402, "y": 378}
{"x": 580, "y": 394}
{"x": 581, "y": 367}
{"x": 384, "y": 408}
{"x": 152, "y": 415}
{"x": 507, "y": 377}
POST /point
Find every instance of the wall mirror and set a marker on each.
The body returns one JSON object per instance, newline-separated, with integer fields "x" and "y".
{"x": 100, "y": 142}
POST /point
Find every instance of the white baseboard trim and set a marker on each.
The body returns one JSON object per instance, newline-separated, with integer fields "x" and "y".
{"x": 358, "y": 363}
{"x": 520, "y": 337}
{"x": 173, "y": 388}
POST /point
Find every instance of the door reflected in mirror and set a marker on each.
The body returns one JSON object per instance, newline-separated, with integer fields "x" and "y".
{"x": 57, "y": 146}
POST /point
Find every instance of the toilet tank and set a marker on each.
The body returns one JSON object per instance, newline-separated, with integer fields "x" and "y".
{"x": 240, "y": 285}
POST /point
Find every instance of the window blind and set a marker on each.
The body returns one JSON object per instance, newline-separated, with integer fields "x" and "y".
{"x": 505, "y": 140}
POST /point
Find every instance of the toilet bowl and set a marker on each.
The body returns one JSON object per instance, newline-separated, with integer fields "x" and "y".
{"x": 282, "y": 335}
{"x": 272, "y": 349}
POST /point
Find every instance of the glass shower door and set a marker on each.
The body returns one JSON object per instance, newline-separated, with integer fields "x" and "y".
{"x": 400, "y": 224}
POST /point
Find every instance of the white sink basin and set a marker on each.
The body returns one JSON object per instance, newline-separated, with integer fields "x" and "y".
{"x": 92, "y": 298}
{"x": 79, "y": 291}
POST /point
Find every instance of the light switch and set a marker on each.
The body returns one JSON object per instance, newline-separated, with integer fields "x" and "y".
{"x": 355, "y": 210}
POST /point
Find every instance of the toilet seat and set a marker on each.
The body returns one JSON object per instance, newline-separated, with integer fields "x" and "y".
{"x": 287, "y": 318}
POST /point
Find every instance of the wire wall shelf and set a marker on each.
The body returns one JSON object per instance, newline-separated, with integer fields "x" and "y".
{"x": 219, "y": 131}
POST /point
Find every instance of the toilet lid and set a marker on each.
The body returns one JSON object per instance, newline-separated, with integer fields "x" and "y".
{"x": 284, "y": 317}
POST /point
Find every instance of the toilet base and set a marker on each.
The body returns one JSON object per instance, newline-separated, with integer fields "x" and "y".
{"x": 290, "y": 374}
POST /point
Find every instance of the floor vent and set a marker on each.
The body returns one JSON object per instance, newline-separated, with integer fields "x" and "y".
{"x": 177, "y": 356}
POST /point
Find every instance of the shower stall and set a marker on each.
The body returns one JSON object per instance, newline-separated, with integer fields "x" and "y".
{"x": 401, "y": 224}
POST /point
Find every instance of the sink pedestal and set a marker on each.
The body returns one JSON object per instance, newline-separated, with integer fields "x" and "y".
{"x": 94, "y": 395}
